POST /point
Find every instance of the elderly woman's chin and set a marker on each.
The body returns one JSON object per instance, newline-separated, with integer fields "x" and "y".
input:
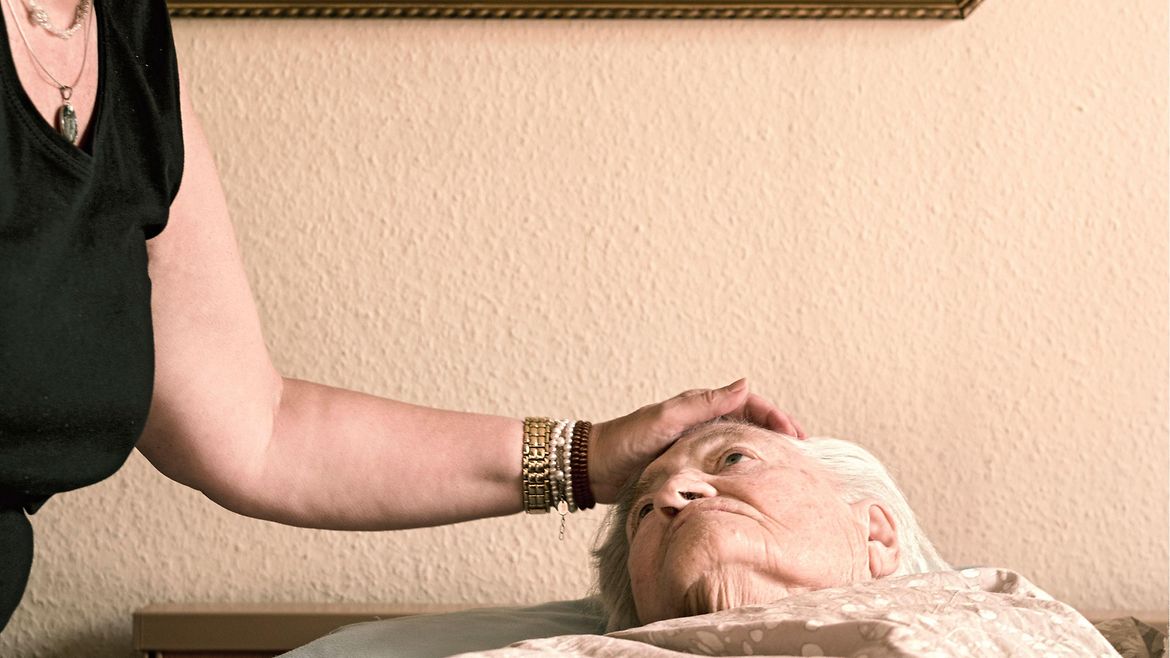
{"x": 701, "y": 581}
{"x": 726, "y": 587}
{"x": 709, "y": 566}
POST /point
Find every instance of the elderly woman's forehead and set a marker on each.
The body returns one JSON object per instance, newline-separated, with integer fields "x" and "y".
{"x": 695, "y": 444}
{"x": 721, "y": 430}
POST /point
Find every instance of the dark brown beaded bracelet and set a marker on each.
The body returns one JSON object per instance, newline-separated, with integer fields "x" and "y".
{"x": 579, "y": 462}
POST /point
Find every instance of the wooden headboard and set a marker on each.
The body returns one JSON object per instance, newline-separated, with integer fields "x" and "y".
{"x": 246, "y": 630}
{"x": 235, "y": 630}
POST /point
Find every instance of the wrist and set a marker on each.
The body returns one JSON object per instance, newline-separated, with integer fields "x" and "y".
{"x": 554, "y": 466}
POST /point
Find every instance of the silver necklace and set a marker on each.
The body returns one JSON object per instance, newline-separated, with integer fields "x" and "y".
{"x": 38, "y": 15}
{"x": 66, "y": 116}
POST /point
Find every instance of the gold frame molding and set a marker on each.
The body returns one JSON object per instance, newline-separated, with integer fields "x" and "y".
{"x": 873, "y": 9}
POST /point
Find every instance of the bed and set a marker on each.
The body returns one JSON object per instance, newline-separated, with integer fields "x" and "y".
{"x": 968, "y": 612}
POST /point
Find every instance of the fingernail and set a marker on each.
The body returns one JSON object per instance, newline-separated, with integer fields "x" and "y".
{"x": 737, "y": 385}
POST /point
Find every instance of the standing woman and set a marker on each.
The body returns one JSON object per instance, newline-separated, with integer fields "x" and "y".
{"x": 116, "y": 333}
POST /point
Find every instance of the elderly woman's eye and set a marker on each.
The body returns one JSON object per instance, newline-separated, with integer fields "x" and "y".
{"x": 644, "y": 510}
{"x": 733, "y": 458}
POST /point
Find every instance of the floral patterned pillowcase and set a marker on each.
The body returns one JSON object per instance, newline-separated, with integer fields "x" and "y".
{"x": 973, "y": 612}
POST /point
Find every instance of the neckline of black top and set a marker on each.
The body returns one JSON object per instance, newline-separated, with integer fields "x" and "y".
{"x": 83, "y": 153}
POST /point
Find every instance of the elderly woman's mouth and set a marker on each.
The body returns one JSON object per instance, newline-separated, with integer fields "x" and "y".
{"x": 704, "y": 512}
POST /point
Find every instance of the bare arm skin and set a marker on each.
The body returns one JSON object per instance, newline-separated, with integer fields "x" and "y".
{"x": 224, "y": 421}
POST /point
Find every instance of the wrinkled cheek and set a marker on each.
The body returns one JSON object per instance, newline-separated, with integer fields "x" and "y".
{"x": 644, "y": 585}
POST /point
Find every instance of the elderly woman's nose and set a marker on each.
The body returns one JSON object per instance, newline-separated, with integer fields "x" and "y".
{"x": 678, "y": 492}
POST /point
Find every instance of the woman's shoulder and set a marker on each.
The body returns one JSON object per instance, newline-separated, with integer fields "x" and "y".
{"x": 144, "y": 26}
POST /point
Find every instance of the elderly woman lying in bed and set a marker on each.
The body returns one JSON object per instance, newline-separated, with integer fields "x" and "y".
{"x": 733, "y": 514}
{"x": 740, "y": 541}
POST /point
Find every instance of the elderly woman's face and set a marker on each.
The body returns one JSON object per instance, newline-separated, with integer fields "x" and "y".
{"x": 734, "y": 515}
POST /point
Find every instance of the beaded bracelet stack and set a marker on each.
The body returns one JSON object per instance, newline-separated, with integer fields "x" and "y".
{"x": 555, "y": 466}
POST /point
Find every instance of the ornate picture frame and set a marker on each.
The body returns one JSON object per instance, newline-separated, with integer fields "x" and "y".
{"x": 550, "y": 9}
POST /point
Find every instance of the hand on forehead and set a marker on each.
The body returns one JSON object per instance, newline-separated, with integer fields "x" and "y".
{"x": 701, "y": 444}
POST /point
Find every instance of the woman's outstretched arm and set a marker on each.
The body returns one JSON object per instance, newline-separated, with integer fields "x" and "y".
{"x": 224, "y": 421}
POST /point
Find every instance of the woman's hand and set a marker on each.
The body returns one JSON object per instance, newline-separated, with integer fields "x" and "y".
{"x": 622, "y": 447}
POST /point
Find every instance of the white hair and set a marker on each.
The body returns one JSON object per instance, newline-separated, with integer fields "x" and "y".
{"x": 858, "y": 474}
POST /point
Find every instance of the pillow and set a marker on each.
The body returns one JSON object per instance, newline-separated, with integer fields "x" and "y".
{"x": 423, "y": 636}
{"x": 973, "y": 612}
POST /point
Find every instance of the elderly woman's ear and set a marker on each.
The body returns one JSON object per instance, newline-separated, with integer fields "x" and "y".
{"x": 881, "y": 537}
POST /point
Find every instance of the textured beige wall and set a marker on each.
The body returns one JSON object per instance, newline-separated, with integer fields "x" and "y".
{"x": 947, "y": 241}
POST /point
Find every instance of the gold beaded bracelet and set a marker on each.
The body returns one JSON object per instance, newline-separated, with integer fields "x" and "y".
{"x": 534, "y": 465}
{"x": 555, "y": 468}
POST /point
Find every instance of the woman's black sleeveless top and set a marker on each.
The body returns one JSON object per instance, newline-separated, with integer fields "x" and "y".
{"x": 76, "y": 342}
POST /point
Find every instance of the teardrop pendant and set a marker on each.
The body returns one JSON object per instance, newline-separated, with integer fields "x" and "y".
{"x": 67, "y": 122}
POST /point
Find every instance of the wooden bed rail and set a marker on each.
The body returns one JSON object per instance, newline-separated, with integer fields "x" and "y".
{"x": 253, "y": 630}
{"x": 239, "y": 630}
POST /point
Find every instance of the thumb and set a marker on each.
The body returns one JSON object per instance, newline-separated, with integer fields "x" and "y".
{"x": 699, "y": 406}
